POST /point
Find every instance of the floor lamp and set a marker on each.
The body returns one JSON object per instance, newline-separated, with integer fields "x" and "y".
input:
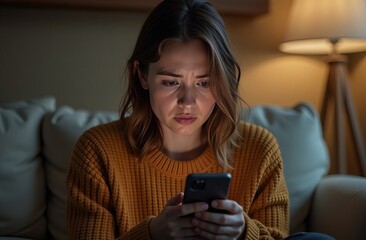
{"x": 332, "y": 27}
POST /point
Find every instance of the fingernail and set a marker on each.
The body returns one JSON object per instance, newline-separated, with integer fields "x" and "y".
{"x": 204, "y": 206}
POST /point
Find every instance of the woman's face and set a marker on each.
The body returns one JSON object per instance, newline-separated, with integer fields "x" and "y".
{"x": 179, "y": 87}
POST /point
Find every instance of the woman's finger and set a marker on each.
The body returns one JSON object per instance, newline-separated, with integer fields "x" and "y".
{"x": 230, "y": 206}
{"x": 189, "y": 208}
{"x": 183, "y": 222}
{"x": 205, "y": 228}
{"x": 176, "y": 200}
{"x": 228, "y": 225}
{"x": 221, "y": 218}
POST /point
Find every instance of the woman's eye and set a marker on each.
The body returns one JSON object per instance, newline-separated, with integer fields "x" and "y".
{"x": 203, "y": 84}
{"x": 170, "y": 83}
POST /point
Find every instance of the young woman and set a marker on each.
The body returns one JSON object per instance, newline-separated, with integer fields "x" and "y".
{"x": 126, "y": 177}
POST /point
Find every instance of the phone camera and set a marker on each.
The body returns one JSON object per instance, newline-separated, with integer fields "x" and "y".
{"x": 198, "y": 184}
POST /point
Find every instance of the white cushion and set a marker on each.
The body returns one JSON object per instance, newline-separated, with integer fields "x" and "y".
{"x": 61, "y": 130}
{"x": 22, "y": 181}
{"x": 304, "y": 152}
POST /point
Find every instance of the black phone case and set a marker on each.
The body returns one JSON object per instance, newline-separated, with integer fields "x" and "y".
{"x": 205, "y": 187}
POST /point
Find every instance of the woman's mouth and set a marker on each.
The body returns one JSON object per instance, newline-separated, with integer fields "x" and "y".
{"x": 185, "y": 119}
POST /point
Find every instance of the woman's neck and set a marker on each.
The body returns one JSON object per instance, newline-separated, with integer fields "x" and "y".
{"x": 185, "y": 155}
{"x": 184, "y": 147}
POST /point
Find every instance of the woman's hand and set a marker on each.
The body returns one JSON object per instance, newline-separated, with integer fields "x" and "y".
{"x": 228, "y": 225}
{"x": 175, "y": 221}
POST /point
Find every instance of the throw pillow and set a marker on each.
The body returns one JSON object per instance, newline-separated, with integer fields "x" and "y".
{"x": 22, "y": 181}
{"x": 304, "y": 152}
{"x": 61, "y": 130}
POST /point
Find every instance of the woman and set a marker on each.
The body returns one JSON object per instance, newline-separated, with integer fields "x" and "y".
{"x": 126, "y": 177}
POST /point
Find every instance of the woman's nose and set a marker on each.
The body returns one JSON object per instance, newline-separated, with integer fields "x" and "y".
{"x": 187, "y": 96}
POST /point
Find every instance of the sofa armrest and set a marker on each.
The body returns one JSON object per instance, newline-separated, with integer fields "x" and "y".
{"x": 339, "y": 207}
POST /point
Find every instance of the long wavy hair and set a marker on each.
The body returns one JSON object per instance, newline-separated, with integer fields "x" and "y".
{"x": 183, "y": 20}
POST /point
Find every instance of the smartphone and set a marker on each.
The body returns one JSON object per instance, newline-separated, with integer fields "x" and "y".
{"x": 205, "y": 187}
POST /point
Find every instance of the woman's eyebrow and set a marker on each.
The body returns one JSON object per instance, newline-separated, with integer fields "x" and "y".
{"x": 167, "y": 73}
{"x": 205, "y": 75}
{"x": 171, "y": 74}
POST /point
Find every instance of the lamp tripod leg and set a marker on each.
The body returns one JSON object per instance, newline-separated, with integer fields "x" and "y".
{"x": 340, "y": 146}
{"x": 354, "y": 126}
{"x": 338, "y": 94}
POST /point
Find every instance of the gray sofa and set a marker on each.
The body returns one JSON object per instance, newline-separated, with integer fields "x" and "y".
{"x": 37, "y": 138}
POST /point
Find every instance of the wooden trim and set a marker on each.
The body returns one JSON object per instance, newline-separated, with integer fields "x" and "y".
{"x": 232, "y": 7}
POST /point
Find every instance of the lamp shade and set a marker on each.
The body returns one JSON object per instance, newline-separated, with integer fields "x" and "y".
{"x": 314, "y": 26}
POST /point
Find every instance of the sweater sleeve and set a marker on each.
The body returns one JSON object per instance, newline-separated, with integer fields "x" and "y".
{"x": 268, "y": 218}
{"x": 90, "y": 213}
{"x": 140, "y": 231}
{"x": 268, "y": 215}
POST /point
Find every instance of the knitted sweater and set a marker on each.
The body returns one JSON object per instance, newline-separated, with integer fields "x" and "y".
{"x": 114, "y": 195}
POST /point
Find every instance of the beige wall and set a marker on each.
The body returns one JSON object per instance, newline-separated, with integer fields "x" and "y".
{"x": 79, "y": 57}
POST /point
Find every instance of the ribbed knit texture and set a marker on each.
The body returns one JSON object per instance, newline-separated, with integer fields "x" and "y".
{"x": 113, "y": 195}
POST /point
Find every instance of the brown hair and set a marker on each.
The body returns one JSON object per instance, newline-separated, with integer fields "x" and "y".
{"x": 184, "y": 20}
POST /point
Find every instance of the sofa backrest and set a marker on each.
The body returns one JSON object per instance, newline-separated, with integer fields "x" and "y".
{"x": 297, "y": 131}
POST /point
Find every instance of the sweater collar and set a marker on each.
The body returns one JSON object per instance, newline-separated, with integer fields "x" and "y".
{"x": 180, "y": 168}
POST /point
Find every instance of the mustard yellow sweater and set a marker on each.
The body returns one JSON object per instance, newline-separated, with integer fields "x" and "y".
{"x": 113, "y": 195}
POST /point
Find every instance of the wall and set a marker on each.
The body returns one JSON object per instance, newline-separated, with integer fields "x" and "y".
{"x": 79, "y": 57}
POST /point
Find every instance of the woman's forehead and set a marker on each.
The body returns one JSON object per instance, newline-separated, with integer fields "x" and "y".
{"x": 178, "y": 56}
{"x": 175, "y": 43}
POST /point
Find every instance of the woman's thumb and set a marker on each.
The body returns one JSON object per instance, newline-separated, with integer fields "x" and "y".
{"x": 176, "y": 200}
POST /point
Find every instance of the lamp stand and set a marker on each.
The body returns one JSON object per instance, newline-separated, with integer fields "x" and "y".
{"x": 338, "y": 93}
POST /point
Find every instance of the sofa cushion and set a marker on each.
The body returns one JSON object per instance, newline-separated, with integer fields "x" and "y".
{"x": 339, "y": 207}
{"x": 22, "y": 182}
{"x": 61, "y": 130}
{"x": 304, "y": 152}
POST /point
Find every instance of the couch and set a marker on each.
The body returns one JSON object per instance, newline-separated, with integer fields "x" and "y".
{"x": 37, "y": 139}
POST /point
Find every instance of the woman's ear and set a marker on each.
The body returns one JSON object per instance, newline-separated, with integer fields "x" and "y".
{"x": 142, "y": 77}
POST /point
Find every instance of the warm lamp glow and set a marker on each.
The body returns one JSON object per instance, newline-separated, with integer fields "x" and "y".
{"x": 332, "y": 27}
{"x": 315, "y": 24}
